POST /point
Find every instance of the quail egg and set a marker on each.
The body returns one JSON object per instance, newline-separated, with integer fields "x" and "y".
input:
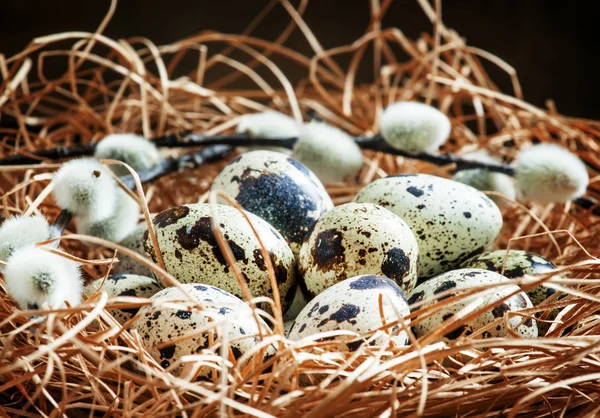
{"x": 277, "y": 188}
{"x": 451, "y": 221}
{"x": 518, "y": 264}
{"x": 170, "y": 333}
{"x": 124, "y": 285}
{"x": 354, "y": 305}
{"x": 190, "y": 251}
{"x": 462, "y": 280}
{"x": 355, "y": 239}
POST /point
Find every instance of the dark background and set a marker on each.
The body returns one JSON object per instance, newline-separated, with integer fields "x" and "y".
{"x": 553, "y": 45}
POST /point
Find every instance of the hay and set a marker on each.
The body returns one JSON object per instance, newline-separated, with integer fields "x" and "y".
{"x": 78, "y": 361}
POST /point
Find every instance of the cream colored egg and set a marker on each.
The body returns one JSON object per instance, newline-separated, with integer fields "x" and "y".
{"x": 279, "y": 189}
{"x": 191, "y": 253}
{"x": 461, "y": 280}
{"x": 354, "y": 305}
{"x": 131, "y": 285}
{"x": 355, "y": 239}
{"x": 451, "y": 221}
{"x": 170, "y": 333}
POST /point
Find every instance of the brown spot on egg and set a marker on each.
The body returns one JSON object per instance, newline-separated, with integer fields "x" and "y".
{"x": 328, "y": 250}
{"x": 170, "y": 216}
{"x": 500, "y": 310}
{"x": 396, "y": 265}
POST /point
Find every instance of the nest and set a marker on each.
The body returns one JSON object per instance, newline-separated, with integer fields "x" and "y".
{"x": 75, "y": 363}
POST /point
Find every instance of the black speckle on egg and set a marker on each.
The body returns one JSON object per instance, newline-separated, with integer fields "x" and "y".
{"x": 353, "y": 346}
{"x": 183, "y": 314}
{"x": 467, "y": 215}
{"x": 500, "y": 310}
{"x": 416, "y": 297}
{"x": 415, "y": 191}
{"x": 347, "y": 312}
{"x": 170, "y": 216}
{"x": 117, "y": 277}
{"x": 236, "y": 352}
{"x": 447, "y": 285}
{"x": 282, "y": 202}
{"x": 328, "y": 250}
{"x": 167, "y": 352}
{"x": 396, "y": 265}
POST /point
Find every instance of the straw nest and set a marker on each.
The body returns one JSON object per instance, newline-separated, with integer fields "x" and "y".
{"x": 75, "y": 363}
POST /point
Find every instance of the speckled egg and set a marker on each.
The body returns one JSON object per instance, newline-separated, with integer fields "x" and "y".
{"x": 517, "y": 265}
{"x": 462, "y": 280}
{"x": 277, "y": 188}
{"x": 124, "y": 285}
{"x": 353, "y": 305}
{"x": 355, "y": 239}
{"x": 451, "y": 221}
{"x": 158, "y": 326}
{"x": 134, "y": 242}
{"x": 190, "y": 251}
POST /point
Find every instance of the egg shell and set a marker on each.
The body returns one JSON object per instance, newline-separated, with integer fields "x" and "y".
{"x": 134, "y": 242}
{"x": 353, "y": 305}
{"x": 279, "y": 189}
{"x": 124, "y": 285}
{"x": 190, "y": 251}
{"x": 451, "y": 221}
{"x": 518, "y": 264}
{"x": 355, "y": 239}
{"x": 158, "y": 325}
{"x": 462, "y": 280}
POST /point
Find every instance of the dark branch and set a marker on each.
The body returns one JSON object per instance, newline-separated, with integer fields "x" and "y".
{"x": 49, "y": 154}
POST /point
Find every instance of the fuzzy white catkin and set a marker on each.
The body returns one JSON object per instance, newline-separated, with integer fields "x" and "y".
{"x": 21, "y": 231}
{"x": 134, "y": 150}
{"x": 549, "y": 173}
{"x": 34, "y": 277}
{"x": 85, "y": 188}
{"x": 117, "y": 226}
{"x": 486, "y": 180}
{"x": 267, "y": 124}
{"x": 328, "y": 151}
{"x": 414, "y": 127}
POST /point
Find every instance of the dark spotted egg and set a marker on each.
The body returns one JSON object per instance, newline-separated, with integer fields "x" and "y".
{"x": 452, "y": 221}
{"x": 169, "y": 333}
{"x": 124, "y": 285}
{"x": 190, "y": 251}
{"x": 277, "y": 188}
{"x": 354, "y": 305}
{"x": 518, "y": 264}
{"x": 355, "y": 239}
{"x": 459, "y": 281}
